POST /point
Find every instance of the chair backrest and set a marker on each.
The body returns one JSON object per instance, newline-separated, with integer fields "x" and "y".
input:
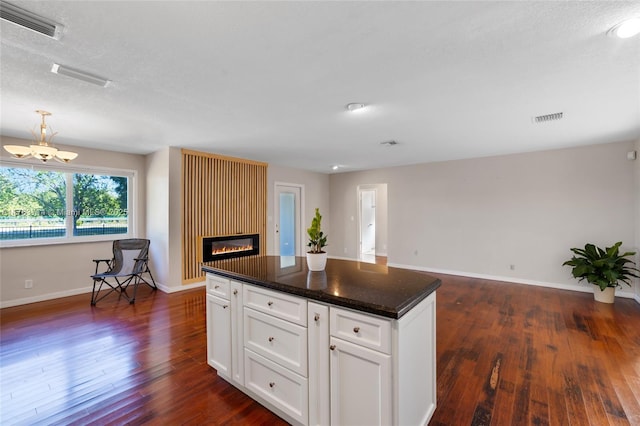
{"x": 124, "y": 254}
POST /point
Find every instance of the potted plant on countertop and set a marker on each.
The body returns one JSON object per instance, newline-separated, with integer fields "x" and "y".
{"x": 605, "y": 269}
{"x": 316, "y": 257}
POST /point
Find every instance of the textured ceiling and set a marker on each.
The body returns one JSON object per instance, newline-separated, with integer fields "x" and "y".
{"x": 269, "y": 80}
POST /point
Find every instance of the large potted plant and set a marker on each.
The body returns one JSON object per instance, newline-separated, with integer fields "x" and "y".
{"x": 604, "y": 268}
{"x": 316, "y": 257}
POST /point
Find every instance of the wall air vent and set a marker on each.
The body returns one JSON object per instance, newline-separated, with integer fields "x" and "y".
{"x": 80, "y": 75}
{"x": 548, "y": 117}
{"x": 30, "y": 21}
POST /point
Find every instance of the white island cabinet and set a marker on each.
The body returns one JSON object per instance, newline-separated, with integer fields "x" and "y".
{"x": 316, "y": 363}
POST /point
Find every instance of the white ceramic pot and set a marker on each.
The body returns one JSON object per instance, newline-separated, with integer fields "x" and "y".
{"x": 606, "y": 296}
{"x": 316, "y": 261}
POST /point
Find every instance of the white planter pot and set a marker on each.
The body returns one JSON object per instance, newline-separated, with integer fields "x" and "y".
{"x": 606, "y": 296}
{"x": 316, "y": 261}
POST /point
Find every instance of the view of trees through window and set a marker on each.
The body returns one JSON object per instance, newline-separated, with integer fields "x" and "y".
{"x": 36, "y": 204}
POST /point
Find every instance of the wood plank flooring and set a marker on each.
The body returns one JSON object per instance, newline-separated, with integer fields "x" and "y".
{"x": 508, "y": 354}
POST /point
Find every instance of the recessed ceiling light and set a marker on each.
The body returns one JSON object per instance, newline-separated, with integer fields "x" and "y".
{"x": 626, "y": 29}
{"x": 336, "y": 167}
{"x": 354, "y": 106}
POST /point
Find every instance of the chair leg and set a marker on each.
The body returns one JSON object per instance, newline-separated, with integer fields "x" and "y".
{"x": 95, "y": 294}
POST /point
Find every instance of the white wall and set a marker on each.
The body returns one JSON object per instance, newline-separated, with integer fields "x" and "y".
{"x": 316, "y": 194}
{"x": 637, "y": 213}
{"x": 163, "y": 217}
{"x": 477, "y": 217}
{"x": 59, "y": 270}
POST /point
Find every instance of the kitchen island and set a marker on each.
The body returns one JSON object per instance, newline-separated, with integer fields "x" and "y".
{"x": 354, "y": 344}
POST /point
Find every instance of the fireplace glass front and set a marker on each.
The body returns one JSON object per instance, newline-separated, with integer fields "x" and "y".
{"x": 227, "y": 247}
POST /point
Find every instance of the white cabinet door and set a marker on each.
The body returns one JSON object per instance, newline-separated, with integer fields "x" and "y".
{"x": 318, "y": 333}
{"x": 219, "y": 335}
{"x": 360, "y": 385}
{"x": 237, "y": 341}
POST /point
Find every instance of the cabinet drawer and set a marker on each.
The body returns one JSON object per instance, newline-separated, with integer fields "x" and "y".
{"x": 218, "y": 286}
{"x": 284, "y": 389}
{"x": 280, "y": 341}
{"x": 365, "y": 330}
{"x": 281, "y": 305}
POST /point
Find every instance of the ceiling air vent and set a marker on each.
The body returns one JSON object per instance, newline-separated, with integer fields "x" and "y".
{"x": 548, "y": 117}
{"x": 29, "y": 20}
{"x": 79, "y": 75}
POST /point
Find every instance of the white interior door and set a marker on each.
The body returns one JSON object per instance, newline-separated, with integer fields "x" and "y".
{"x": 288, "y": 219}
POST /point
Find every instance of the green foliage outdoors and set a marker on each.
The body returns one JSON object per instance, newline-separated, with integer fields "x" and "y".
{"x": 604, "y": 268}
{"x": 317, "y": 239}
{"x": 37, "y": 194}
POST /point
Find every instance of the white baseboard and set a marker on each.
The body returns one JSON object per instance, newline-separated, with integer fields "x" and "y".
{"x": 48, "y": 296}
{"x": 572, "y": 287}
{"x": 181, "y": 287}
{"x": 83, "y": 290}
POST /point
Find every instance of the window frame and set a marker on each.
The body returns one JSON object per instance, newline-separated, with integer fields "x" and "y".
{"x": 69, "y": 170}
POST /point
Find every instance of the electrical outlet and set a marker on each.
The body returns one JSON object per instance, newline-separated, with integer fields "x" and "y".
{"x": 28, "y": 283}
{"x": 512, "y": 267}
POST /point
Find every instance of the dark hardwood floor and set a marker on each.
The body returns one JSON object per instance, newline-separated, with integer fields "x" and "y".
{"x": 508, "y": 354}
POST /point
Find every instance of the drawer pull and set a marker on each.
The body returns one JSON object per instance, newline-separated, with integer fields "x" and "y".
{"x": 269, "y": 303}
{"x": 271, "y": 384}
{"x": 316, "y": 318}
{"x": 235, "y": 292}
{"x": 356, "y": 329}
{"x": 225, "y": 306}
{"x": 216, "y": 286}
{"x": 332, "y": 347}
{"x": 271, "y": 339}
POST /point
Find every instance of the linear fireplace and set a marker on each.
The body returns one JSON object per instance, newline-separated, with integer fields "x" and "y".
{"x": 227, "y": 247}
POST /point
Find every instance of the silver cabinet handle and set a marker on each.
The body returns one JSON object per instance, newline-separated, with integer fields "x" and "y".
{"x": 269, "y": 303}
{"x": 225, "y": 306}
{"x": 216, "y": 286}
{"x": 235, "y": 292}
{"x": 271, "y": 339}
{"x": 356, "y": 329}
{"x": 332, "y": 347}
{"x": 271, "y": 384}
{"x": 316, "y": 318}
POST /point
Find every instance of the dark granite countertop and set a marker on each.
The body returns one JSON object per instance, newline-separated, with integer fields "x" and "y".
{"x": 376, "y": 289}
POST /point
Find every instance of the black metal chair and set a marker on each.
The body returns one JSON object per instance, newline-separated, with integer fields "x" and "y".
{"x": 128, "y": 266}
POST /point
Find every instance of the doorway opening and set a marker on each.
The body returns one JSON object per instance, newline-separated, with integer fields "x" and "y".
{"x": 372, "y": 222}
{"x": 288, "y": 218}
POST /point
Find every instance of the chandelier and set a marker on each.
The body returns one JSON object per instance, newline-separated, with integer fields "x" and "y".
{"x": 42, "y": 149}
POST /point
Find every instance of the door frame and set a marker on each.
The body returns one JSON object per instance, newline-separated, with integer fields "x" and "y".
{"x": 276, "y": 217}
{"x": 361, "y": 189}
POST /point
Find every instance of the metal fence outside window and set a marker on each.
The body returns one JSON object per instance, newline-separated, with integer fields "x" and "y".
{"x": 16, "y": 229}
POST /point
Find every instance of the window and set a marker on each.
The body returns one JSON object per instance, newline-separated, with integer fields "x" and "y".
{"x": 41, "y": 205}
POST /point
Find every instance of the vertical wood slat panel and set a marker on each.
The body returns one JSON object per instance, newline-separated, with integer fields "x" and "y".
{"x": 221, "y": 196}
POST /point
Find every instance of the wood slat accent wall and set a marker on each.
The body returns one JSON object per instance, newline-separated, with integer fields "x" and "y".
{"x": 220, "y": 196}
